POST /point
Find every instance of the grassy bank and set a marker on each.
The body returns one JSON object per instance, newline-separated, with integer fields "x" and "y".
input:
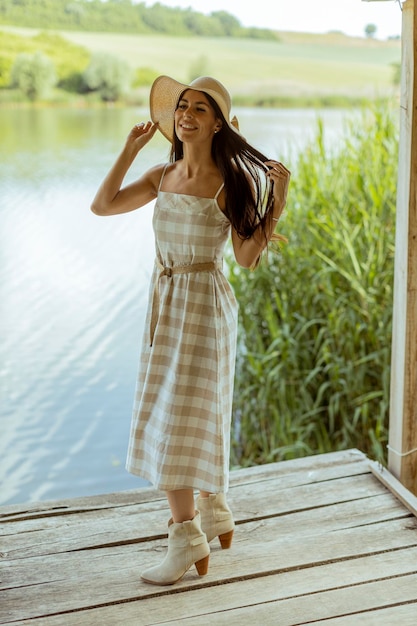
{"x": 299, "y": 68}
{"x": 315, "y": 321}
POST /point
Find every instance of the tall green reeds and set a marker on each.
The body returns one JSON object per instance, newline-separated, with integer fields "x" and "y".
{"x": 313, "y": 366}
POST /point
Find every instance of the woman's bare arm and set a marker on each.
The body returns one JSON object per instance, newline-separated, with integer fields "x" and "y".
{"x": 111, "y": 198}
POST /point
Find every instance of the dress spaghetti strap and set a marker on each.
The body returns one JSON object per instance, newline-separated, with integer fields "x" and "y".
{"x": 219, "y": 190}
{"x": 162, "y": 177}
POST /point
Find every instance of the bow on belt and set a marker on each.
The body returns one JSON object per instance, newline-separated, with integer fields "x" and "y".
{"x": 190, "y": 268}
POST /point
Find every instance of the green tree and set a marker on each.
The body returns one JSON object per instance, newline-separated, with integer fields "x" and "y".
{"x": 370, "y": 30}
{"x": 75, "y": 11}
{"x": 162, "y": 19}
{"x": 126, "y": 16}
{"x": 108, "y": 75}
{"x": 230, "y": 24}
{"x": 144, "y": 77}
{"x": 69, "y": 60}
{"x": 34, "y": 75}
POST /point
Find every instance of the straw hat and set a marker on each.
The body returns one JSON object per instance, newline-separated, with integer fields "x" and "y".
{"x": 166, "y": 91}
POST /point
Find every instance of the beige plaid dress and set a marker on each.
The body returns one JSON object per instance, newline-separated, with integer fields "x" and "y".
{"x": 180, "y": 433}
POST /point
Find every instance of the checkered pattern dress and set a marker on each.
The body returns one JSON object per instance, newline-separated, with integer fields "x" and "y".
{"x": 180, "y": 433}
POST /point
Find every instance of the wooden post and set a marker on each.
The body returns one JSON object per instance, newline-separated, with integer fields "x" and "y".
{"x": 402, "y": 457}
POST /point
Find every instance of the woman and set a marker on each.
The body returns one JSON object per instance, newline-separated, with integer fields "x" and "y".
{"x": 215, "y": 184}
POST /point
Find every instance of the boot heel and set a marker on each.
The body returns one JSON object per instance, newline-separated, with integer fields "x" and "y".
{"x": 202, "y": 566}
{"x": 226, "y": 540}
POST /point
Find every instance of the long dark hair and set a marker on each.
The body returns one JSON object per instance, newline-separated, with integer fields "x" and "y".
{"x": 249, "y": 199}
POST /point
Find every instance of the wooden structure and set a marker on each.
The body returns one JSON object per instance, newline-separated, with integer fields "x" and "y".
{"x": 402, "y": 448}
{"x": 402, "y": 460}
{"x": 318, "y": 540}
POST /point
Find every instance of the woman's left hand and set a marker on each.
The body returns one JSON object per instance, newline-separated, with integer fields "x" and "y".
{"x": 280, "y": 176}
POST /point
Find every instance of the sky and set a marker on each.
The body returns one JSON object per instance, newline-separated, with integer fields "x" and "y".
{"x": 314, "y": 16}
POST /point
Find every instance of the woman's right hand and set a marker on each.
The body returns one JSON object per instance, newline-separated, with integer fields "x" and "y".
{"x": 141, "y": 134}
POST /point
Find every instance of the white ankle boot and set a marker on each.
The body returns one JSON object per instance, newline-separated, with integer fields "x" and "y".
{"x": 216, "y": 518}
{"x": 187, "y": 546}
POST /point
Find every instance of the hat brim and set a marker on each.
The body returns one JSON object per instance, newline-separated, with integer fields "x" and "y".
{"x": 164, "y": 96}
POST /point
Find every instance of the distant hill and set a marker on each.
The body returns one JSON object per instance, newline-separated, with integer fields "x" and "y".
{"x": 298, "y": 69}
{"x": 314, "y": 69}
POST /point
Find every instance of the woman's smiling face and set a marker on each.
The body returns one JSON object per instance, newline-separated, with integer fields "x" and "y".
{"x": 195, "y": 120}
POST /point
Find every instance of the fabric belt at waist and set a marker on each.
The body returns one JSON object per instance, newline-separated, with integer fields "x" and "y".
{"x": 190, "y": 268}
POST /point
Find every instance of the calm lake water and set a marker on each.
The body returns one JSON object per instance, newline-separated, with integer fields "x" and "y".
{"x": 73, "y": 292}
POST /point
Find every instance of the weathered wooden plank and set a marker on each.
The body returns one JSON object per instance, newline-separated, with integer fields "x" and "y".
{"x": 290, "y": 473}
{"x": 403, "y": 615}
{"x": 393, "y": 484}
{"x": 305, "y": 466}
{"x": 257, "y": 591}
{"x": 264, "y": 547}
{"x": 310, "y": 609}
{"x": 148, "y": 520}
{"x": 55, "y": 508}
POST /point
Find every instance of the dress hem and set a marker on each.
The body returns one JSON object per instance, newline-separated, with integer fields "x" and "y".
{"x": 199, "y": 486}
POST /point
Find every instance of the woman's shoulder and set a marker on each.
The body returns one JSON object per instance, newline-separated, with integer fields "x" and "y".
{"x": 155, "y": 174}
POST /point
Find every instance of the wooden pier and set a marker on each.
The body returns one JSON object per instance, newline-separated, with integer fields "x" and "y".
{"x": 318, "y": 540}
